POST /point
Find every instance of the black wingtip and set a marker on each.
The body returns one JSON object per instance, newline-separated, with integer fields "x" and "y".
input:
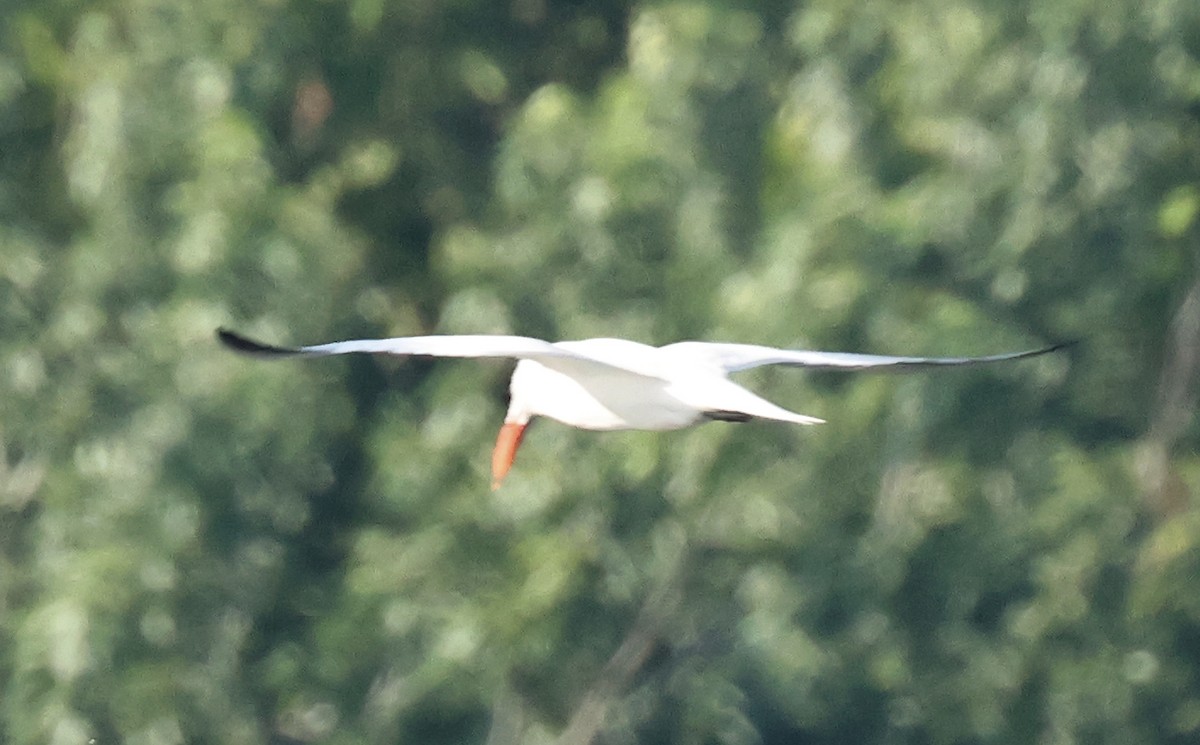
{"x": 239, "y": 343}
{"x": 1055, "y": 347}
{"x": 1059, "y": 346}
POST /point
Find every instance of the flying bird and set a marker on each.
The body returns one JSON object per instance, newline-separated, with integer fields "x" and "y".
{"x": 610, "y": 384}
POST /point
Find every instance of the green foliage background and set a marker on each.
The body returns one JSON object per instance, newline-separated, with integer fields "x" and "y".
{"x": 198, "y": 548}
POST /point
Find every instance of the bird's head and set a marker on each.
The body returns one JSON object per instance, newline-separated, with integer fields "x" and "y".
{"x": 512, "y": 431}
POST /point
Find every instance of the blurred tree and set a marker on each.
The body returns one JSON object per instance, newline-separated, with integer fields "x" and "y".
{"x": 194, "y": 548}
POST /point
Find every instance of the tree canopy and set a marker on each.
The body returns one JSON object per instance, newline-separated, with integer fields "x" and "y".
{"x": 195, "y": 547}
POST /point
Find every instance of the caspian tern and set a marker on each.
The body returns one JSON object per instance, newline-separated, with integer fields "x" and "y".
{"x": 608, "y": 384}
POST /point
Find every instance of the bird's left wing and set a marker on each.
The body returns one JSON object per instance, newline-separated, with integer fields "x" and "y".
{"x": 480, "y": 345}
{"x": 735, "y": 357}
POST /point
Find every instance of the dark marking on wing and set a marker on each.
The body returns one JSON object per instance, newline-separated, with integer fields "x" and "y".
{"x": 239, "y": 343}
{"x": 727, "y": 416}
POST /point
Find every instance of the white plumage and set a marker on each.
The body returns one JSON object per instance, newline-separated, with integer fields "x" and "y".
{"x": 606, "y": 384}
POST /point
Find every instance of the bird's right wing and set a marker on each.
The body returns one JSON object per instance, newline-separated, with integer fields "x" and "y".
{"x": 480, "y": 345}
{"x": 735, "y": 357}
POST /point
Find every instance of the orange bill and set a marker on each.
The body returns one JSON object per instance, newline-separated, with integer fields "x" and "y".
{"x": 506, "y": 449}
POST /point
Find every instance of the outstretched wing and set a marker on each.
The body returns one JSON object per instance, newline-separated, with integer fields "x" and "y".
{"x": 735, "y": 357}
{"x": 514, "y": 347}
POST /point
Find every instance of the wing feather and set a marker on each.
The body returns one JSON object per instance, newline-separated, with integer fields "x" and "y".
{"x": 736, "y": 357}
{"x": 465, "y": 346}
